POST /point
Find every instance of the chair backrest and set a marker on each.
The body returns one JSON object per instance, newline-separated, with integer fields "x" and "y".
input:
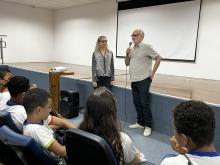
{"x": 4, "y": 67}
{"x": 26, "y": 148}
{"x": 8, "y": 155}
{"x": 85, "y": 148}
{"x": 5, "y": 119}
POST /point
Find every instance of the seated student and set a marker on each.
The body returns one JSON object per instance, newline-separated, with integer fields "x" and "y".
{"x": 37, "y": 105}
{"x": 194, "y": 127}
{"x": 17, "y": 86}
{"x": 5, "y": 76}
{"x": 101, "y": 119}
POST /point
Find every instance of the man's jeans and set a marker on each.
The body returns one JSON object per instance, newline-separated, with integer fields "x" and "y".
{"x": 141, "y": 100}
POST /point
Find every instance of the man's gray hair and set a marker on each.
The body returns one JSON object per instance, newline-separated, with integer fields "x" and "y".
{"x": 141, "y": 32}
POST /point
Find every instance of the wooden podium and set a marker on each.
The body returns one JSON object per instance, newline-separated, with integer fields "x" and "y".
{"x": 54, "y": 85}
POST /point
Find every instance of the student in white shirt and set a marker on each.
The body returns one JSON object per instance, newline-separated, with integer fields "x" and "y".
{"x": 5, "y": 76}
{"x": 37, "y": 103}
{"x": 194, "y": 128}
{"x": 17, "y": 86}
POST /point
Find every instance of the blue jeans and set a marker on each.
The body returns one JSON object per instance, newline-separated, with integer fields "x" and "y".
{"x": 141, "y": 100}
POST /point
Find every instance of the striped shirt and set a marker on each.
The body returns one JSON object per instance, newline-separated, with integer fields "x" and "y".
{"x": 141, "y": 62}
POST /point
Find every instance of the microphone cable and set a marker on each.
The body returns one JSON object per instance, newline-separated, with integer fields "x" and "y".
{"x": 125, "y": 92}
{"x": 125, "y": 97}
{"x": 189, "y": 161}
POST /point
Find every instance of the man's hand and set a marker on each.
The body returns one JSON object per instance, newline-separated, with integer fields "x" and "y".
{"x": 176, "y": 147}
{"x": 127, "y": 57}
{"x": 128, "y": 51}
{"x": 152, "y": 75}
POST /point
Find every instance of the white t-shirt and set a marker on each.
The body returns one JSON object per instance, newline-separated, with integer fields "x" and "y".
{"x": 18, "y": 114}
{"x": 4, "y": 97}
{"x": 40, "y": 132}
{"x": 204, "y": 159}
{"x": 44, "y": 135}
{"x": 128, "y": 148}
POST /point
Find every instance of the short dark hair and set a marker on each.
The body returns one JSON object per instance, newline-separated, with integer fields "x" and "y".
{"x": 196, "y": 120}
{"x": 17, "y": 85}
{"x": 34, "y": 98}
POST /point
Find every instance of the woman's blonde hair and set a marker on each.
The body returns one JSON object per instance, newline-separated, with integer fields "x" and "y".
{"x": 98, "y": 43}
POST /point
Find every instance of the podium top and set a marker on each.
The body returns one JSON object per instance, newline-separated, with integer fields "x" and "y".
{"x": 68, "y": 72}
{"x": 62, "y": 73}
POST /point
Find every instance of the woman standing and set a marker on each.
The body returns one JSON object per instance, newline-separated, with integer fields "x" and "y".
{"x": 102, "y": 64}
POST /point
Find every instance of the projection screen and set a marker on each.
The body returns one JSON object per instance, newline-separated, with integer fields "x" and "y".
{"x": 171, "y": 29}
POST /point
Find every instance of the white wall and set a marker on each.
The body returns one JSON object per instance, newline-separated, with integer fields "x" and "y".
{"x": 77, "y": 28}
{"x": 30, "y": 33}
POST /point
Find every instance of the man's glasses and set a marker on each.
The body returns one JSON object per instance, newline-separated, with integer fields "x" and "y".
{"x": 135, "y": 35}
{"x": 103, "y": 41}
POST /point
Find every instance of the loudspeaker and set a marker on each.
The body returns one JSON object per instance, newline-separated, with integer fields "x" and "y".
{"x": 69, "y": 103}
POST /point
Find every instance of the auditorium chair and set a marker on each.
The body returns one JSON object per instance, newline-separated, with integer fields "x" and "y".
{"x": 8, "y": 156}
{"x": 84, "y": 148}
{"x": 5, "y": 119}
{"x": 4, "y": 67}
{"x": 25, "y": 148}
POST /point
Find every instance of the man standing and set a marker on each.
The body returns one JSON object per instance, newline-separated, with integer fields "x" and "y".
{"x": 139, "y": 59}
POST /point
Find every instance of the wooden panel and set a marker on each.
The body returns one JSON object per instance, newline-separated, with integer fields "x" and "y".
{"x": 54, "y": 85}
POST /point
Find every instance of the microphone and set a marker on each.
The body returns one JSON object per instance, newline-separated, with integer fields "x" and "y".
{"x": 130, "y": 43}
